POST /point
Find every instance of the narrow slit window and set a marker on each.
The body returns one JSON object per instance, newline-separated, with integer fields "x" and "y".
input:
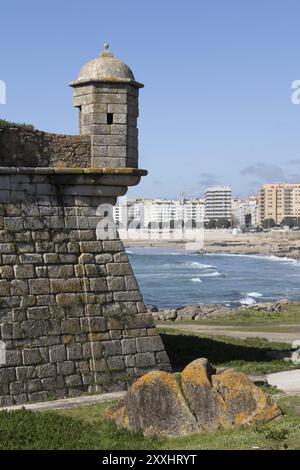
{"x": 110, "y": 118}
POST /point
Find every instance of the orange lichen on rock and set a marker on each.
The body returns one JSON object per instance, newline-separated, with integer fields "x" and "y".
{"x": 207, "y": 405}
{"x": 246, "y": 402}
{"x": 156, "y": 405}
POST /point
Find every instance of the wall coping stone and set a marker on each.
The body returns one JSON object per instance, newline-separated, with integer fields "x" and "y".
{"x": 128, "y": 81}
{"x": 77, "y": 171}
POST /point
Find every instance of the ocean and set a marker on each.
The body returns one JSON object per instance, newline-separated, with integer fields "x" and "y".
{"x": 170, "y": 278}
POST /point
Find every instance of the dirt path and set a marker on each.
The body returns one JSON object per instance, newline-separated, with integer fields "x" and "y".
{"x": 234, "y": 333}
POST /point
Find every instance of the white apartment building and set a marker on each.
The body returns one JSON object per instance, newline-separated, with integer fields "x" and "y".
{"x": 245, "y": 211}
{"x": 159, "y": 211}
{"x": 218, "y": 203}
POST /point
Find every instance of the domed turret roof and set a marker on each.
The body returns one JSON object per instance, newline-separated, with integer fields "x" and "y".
{"x": 106, "y": 68}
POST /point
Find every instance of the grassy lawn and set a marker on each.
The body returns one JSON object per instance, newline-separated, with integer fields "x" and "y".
{"x": 84, "y": 428}
{"x": 246, "y": 355}
{"x": 252, "y": 318}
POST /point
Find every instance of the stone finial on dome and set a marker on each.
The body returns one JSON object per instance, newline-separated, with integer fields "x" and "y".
{"x": 106, "y": 52}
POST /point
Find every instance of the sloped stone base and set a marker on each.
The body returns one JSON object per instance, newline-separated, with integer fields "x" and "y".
{"x": 71, "y": 314}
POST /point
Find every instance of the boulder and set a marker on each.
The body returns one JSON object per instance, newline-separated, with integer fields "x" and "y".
{"x": 207, "y": 405}
{"x": 159, "y": 403}
{"x": 190, "y": 312}
{"x": 154, "y": 405}
{"x": 246, "y": 403}
{"x": 151, "y": 308}
{"x": 163, "y": 315}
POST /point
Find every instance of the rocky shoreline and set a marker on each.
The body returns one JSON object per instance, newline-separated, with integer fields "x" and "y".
{"x": 280, "y": 244}
{"x": 204, "y": 311}
{"x": 271, "y": 247}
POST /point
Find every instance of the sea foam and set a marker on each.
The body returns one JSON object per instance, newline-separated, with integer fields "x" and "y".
{"x": 247, "y": 301}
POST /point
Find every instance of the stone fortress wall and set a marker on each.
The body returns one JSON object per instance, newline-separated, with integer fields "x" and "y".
{"x": 72, "y": 317}
{"x": 23, "y": 146}
{"x": 71, "y": 313}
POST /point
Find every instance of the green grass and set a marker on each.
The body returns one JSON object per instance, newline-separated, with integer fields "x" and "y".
{"x": 250, "y": 316}
{"x": 85, "y": 428}
{"x": 246, "y": 355}
{"x": 4, "y": 124}
{"x": 52, "y": 431}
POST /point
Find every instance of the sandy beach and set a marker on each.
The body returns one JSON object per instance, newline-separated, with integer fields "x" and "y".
{"x": 217, "y": 241}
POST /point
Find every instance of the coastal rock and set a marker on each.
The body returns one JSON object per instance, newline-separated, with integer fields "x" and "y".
{"x": 164, "y": 315}
{"x": 157, "y": 405}
{"x": 207, "y": 405}
{"x": 246, "y": 403}
{"x": 191, "y": 312}
{"x": 278, "y": 306}
{"x": 151, "y": 308}
{"x": 154, "y": 405}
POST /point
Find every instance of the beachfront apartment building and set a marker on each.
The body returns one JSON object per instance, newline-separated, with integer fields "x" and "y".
{"x": 278, "y": 200}
{"x": 245, "y": 211}
{"x": 218, "y": 203}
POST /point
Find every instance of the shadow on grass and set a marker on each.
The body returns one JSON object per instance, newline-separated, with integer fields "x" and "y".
{"x": 182, "y": 349}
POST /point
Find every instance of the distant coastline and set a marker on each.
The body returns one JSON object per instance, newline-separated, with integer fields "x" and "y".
{"x": 281, "y": 244}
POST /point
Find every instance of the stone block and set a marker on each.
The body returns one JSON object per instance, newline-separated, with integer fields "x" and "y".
{"x": 65, "y": 368}
{"x": 109, "y": 140}
{"x": 106, "y": 162}
{"x": 128, "y": 346}
{"x": 13, "y": 357}
{"x": 67, "y": 300}
{"x": 38, "y": 313}
{"x": 70, "y": 326}
{"x": 13, "y": 224}
{"x": 98, "y": 285}
{"x": 74, "y": 352}
{"x": 117, "y": 151}
{"x": 32, "y": 356}
{"x": 94, "y": 310}
{"x": 117, "y": 108}
{"x": 145, "y": 359}
{"x": 61, "y": 271}
{"x": 25, "y": 271}
{"x": 120, "y": 118}
{"x": 99, "y": 151}
{"x": 130, "y": 360}
{"x": 31, "y": 258}
{"x": 149, "y": 343}
{"x": 116, "y": 283}
{"x": 115, "y": 362}
{"x": 93, "y": 324}
{"x": 6, "y": 272}
{"x": 4, "y": 288}
{"x": 58, "y": 353}
{"x": 65, "y": 285}
{"x": 127, "y": 296}
{"x": 7, "y": 375}
{"x": 51, "y": 258}
{"x": 112, "y": 348}
{"x": 34, "y": 385}
{"x": 73, "y": 380}
{"x": 131, "y": 283}
{"x": 39, "y": 286}
{"x": 118, "y": 269}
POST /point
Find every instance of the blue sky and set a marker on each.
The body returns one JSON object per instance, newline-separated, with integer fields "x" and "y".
{"x": 216, "y": 107}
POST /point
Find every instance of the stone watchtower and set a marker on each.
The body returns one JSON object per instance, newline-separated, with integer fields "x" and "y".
{"x": 106, "y": 94}
{"x": 72, "y": 318}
